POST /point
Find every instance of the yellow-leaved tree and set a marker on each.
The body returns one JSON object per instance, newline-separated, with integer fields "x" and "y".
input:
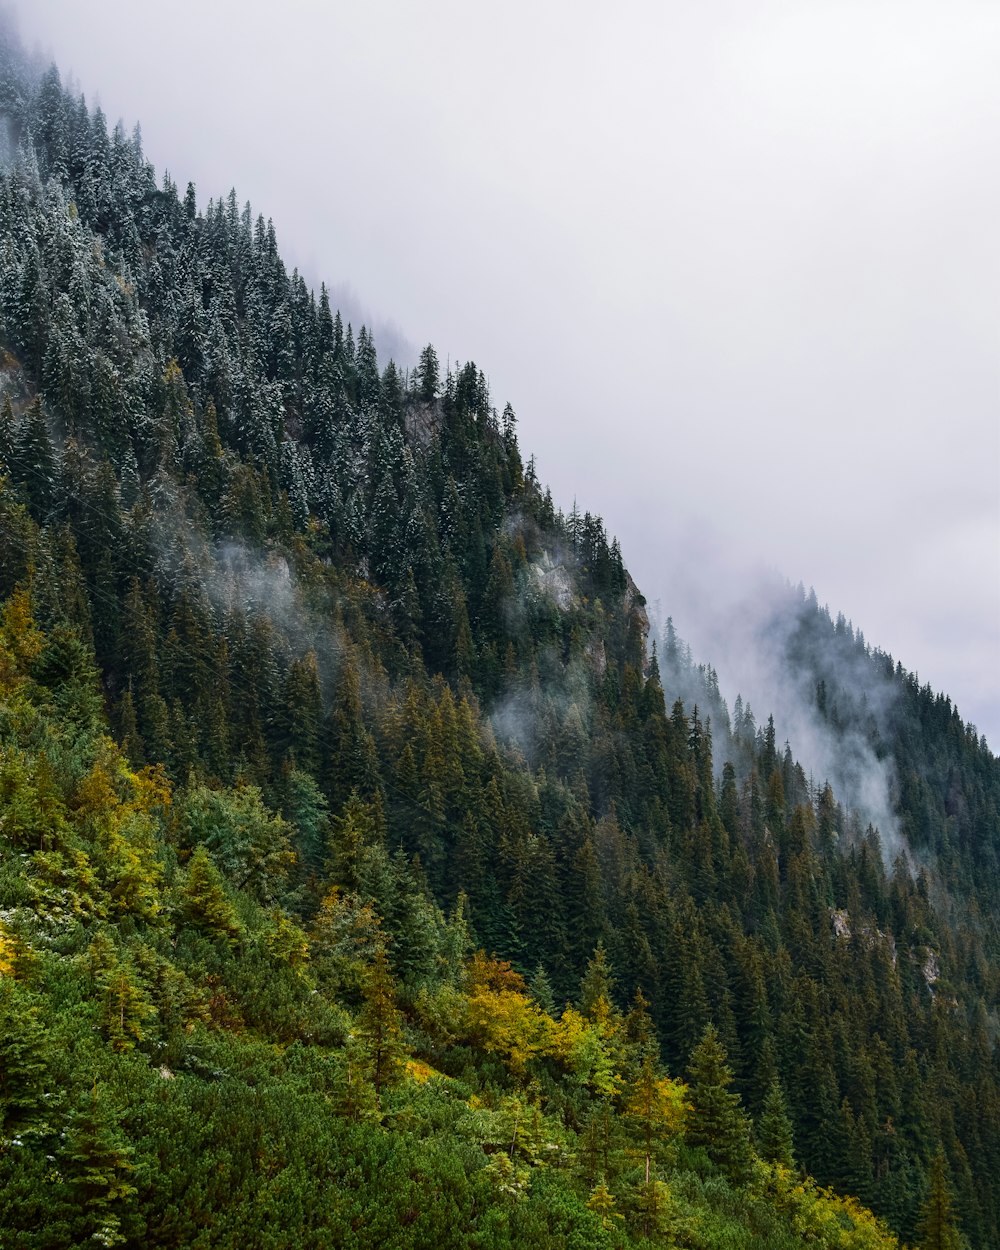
{"x": 119, "y": 811}
{"x": 500, "y": 1018}
{"x": 656, "y": 1107}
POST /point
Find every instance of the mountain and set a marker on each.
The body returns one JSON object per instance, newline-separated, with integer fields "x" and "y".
{"x": 368, "y": 876}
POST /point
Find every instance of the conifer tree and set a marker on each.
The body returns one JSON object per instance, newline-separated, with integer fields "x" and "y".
{"x": 656, "y": 1107}
{"x": 124, "y": 1007}
{"x": 302, "y": 712}
{"x": 379, "y": 1025}
{"x": 657, "y": 1212}
{"x": 24, "y": 1046}
{"x": 8, "y": 434}
{"x": 602, "y": 1202}
{"x": 427, "y": 375}
{"x": 774, "y": 1129}
{"x": 541, "y": 990}
{"x": 99, "y": 1166}
{"x": 358, "y": 827}
{"x": 938, "y": 1228}
{"x": 597, "y": 985}
{"x": 204, "y": 900}
{"x": 34, "y": 462}
{"x": 718, "y": 1121}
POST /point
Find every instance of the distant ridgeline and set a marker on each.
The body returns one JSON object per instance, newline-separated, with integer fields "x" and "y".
{"x": 358, "y": 883}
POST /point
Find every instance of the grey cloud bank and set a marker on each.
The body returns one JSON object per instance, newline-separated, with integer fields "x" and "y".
{"x": 735, "y": 265}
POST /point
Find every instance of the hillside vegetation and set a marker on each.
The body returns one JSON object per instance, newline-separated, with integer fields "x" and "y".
{"x": 364, "y": 879}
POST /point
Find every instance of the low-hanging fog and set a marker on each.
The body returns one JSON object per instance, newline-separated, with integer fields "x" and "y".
{"x": 735, "y": 265}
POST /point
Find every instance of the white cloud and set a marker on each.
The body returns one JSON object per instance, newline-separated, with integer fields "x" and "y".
{"x": 734, "y": 264}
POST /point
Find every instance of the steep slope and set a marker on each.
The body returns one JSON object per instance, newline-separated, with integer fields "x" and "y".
{"x": 379, "y": 705}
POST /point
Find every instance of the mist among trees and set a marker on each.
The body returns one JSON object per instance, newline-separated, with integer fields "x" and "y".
{"x": 368, "y": 876}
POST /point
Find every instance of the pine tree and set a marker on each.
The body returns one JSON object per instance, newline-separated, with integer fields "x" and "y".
{"x": 248, "y": 842}
{"x": 204, "y": 900}
{"x": 379, "y": 1026}
{"x": 124, "y": 1008}
{"x": 938, "y": 1228}
{"x": 302, "y": 712}
{"x": 774, "y": 1129}
{"x": 8, "y": 435}
{"x": 656, "y": 1106}
{"x": 541, "y": 990}
{"x": 34, "y": 462}
{"x": 358, "y": 827}
{"x": 98, "y": 1165}
{"x": 24, "y": 1059}
{"x": 597, "y": 985}
{"x": 658, "y": 1213}
{"x": 427, "y": 375}
{"x": 602, "y": 1203}
{"x": 718, "y": 1121}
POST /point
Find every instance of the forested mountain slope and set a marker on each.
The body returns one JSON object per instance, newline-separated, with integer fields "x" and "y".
{"x": 334, "y": 764}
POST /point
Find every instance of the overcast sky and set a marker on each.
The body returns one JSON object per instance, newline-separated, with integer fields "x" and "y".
{"x": 736, "y": 265}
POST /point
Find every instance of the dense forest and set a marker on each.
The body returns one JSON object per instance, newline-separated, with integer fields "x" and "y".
{"x": 368, "y": 875}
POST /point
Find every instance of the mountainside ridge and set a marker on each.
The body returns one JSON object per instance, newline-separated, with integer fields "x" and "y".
{"x": 379, "y": 703}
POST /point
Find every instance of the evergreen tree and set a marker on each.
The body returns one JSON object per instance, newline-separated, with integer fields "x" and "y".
{"x": 379, "y": 1026}
{"x": 8, "y": 434}
{"x": 204, "y": 900}
{"x": 124, "y": 1008}
{"x": 99, "y": 1165}
{"x": 597, "y": 984}
{"x": 938, "y": 1228}
{"x": 24, "y": 1059}
{"x": 718, "y": 1121}
{"x": 427, "y": 375}
{"x": 602, "y": 1202}
{"x": 774, "y": 1129}
{"x": 34, "y": 462}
